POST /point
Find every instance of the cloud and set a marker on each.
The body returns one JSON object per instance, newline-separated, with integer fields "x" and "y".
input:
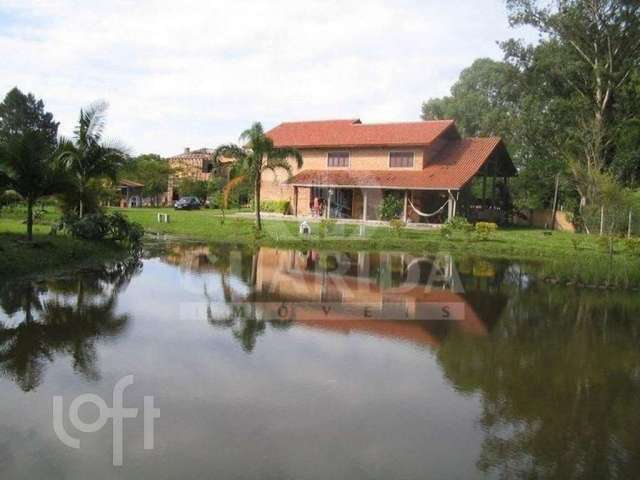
{"x": 196, "y": 73}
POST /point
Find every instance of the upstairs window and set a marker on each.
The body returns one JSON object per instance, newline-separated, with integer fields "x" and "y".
{"x": 338, "y": 159}
{"x": 401, "y": 159}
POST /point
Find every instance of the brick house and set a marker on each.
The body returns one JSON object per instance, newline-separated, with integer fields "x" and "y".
{"x": 194, "y": 164}
{"x": 349, "y": 166}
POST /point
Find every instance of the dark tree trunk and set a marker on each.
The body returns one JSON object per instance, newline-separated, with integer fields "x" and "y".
{"x": 29, "y": 219}
{"x": 257, "y": 201}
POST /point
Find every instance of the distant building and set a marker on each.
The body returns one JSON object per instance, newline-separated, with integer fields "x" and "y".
{"x": 130, "y": 193}
{"x": 194, "y": 164}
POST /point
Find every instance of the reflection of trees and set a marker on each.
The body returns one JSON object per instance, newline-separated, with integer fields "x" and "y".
{"x": 63, "y": 316}
{"x": 560, "y": 386}
{"x": 242, "y": 319}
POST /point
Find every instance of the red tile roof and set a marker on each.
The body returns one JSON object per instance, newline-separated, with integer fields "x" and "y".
{"x": 200, "y": 154}
{"x": 129, "y": 183}
{"x": 353, "y": 133}
{"x": 452, "y": 168}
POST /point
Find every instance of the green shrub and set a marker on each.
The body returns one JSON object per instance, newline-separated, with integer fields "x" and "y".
{"x": 577, "y": 243}
{"x": 94, "y": 226}
{"x": 484, "y": 230}
{"x": 390, "y": 207}
{"x": 632, "y": 245}
{"x": 189, "y": 187}
{"x": 100, "y": 226}
{"x": 397, "y": 225}
{"x": 459, "y": 224}
{"x": 123, "y": 230}
{"x": 9, "y": 198}
{"x": 326, "y": 227}
{"x": 456, "y": 225}
{"x": 276, "y": 206}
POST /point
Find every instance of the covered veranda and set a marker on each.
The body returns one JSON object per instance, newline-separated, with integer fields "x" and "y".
{"x": 471, "y": 183}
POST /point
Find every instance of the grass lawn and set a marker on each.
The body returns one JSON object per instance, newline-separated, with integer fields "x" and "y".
{"x": 510, "y": 242}
{"x": 563, "y": 256}
{"x": 558, "y": 256}
{"x": 19, "y": 258}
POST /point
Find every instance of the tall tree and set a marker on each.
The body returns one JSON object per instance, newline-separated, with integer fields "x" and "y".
{"x": 20, "y": 113}
{"x": 256, "y": 155}
{"x": 88, "y": 155}
{"x": 149, "y": 169}
{"x": 483, "y": 101}
{"x": 27, "y": 166}
{"x": 510, "y": 99}
{"x": 604, "y": 38}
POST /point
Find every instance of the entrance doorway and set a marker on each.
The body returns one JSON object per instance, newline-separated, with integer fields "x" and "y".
{"x": 341, "y": 200}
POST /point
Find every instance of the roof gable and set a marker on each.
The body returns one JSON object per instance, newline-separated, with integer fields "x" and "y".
{"x": 354, "y": 133}
{"x": 452, "y": 168}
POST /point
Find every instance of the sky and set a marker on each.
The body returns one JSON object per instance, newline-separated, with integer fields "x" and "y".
{"x": 195, "y": 73}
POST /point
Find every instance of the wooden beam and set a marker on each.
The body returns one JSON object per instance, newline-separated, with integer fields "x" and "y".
{"x": 295, "y": 201}
{"x": 404, "y": 213}
{"x": 364, "y": 205}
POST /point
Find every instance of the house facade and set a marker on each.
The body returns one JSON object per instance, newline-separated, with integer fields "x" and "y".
{"x": 193, "y": 164}
{"x": 350, "y": 166}
{"x": 130, "y": 193}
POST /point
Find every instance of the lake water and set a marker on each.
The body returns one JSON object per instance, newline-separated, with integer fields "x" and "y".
{"x": 308, "y": 365}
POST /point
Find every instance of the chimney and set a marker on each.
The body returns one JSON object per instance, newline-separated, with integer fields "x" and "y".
{"x": 187, "y": 150}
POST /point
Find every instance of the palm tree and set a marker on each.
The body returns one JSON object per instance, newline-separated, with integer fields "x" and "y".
{"x": 29, "y": 167}
{"x": 255, "y": 156}
{"x": 88, "y": 156}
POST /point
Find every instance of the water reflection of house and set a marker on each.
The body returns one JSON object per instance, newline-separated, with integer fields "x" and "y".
{"x": 397, "y": 296}
{"x": 360, "y": 299}
{"x": 195, "y": 258}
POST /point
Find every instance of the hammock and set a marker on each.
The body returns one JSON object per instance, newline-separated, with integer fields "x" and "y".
{"x": 428, "y": 215}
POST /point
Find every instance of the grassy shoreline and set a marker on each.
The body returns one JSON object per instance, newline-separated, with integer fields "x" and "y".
{"x": 49, "y": 254}
{"x": 559, "y": 257}
{"x": 562, "y": 257}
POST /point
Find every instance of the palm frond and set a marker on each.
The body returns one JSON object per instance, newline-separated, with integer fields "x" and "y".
{"x": 278, "y": 163}
{"x": 91, "y": 123}
{"x": 286, "y": 153}
{"x": 230, "y": 151}
{"x": 116, "y": 146}
{"x": 229, "y": 187}
{"x": 253, "y": 136}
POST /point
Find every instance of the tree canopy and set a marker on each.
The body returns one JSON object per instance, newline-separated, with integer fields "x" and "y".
{"x": 88, "y": 156}
{"x": 256, "y": 155}
{"x": 149, "y": 169}
{"x": 20, "y": 113}
{"x": 568, "y": 105}
{"x": 27, "y": 144}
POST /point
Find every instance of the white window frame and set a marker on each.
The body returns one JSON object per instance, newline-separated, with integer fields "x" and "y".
{"x": 413, "y": 153}
{"x": 339, "y": 151}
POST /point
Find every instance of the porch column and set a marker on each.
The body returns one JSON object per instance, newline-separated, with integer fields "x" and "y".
{"x": 364, "y": 205}
{"x": 451, "y": 208}
{"x": 295, "y": 201}
{"x": 455, "y": 203}
{"x": 328, "y": 213}
{"x": 404, "y": 213}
